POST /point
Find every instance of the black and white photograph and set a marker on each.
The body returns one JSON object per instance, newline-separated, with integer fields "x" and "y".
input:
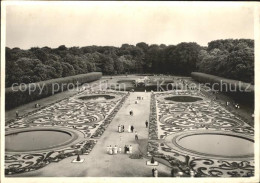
{"x": 98, "y": 90}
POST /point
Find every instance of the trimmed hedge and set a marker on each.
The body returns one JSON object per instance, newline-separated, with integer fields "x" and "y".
{"x": 211, "y": 79}
{"x": 15, "y": 96}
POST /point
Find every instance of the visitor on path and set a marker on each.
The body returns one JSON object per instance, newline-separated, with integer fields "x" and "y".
{"x": 155, "y": 172}
{"x": 192, "y": 173}
{"x": 110, "y": 150}
{"x": 136, "y": 135}
{"x": 130, "y": 149}
{"x": 146, "y": 124}
{"x": 119, "y": 128}
{"x": 123, "y": 128}
{"x": 132, "y": 128}
{"x": 125, "y": 148}
{"x": 119, "y": 150}
{"x": 129, "y": 128}
{"x": 17, "y": 114}
{"x": 115, "y": 150}
{"x": 131, "y": 113}
{"x": 238, "y": 106}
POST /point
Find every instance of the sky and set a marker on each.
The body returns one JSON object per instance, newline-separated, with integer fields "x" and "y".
{"x": 114, "y": 23}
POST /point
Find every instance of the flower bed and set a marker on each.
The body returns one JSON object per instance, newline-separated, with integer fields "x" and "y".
{"x": 20, "y": 163}
{"x": 153, "y": 129}
{"x": 101, "y": 129}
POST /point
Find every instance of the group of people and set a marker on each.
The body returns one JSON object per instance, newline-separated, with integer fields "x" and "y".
{"x": 128, "y": 149}
{"x": 236, "y": 105}
{"x": 121, "y": 128}
{"x": 140, "y": 98}
{"x": 113, "y": 150}
{"x": 155, "y": 172}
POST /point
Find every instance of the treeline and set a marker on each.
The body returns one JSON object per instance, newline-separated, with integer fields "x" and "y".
{"x": 228, "y": 58}
{"x": 233, "y": 59}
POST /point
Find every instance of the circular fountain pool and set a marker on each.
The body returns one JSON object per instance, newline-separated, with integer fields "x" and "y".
{"x": 38, "y": 139}
{"x": 213, "y": 144}
{"x": 183, "y": 98}
{"x": 97, "y": 97}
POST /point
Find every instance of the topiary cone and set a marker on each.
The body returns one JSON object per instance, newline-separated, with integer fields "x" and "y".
{"x": 78, "y": 158}
{"x": 152, "y": 160}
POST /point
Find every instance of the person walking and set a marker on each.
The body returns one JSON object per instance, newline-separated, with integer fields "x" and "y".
{"x": 146, "y": 124}
{"x": 129, "y": 129}
{"x": 125, "y": 148}
{"x": 115, "y": 150}
{"x": 130, "y": 149}
{"x": 132, "y": 128}
{"x": 110, "y": 150}
{"x": 136, "y": 135}
{"x": 155, "y": 172}
{"x": 17, "y": 114}
{"x": 131, "y": 113}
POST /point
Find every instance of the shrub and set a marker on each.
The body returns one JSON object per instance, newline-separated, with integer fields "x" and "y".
{"x": 15, "y": 97}
{"x": 211, "y": 79}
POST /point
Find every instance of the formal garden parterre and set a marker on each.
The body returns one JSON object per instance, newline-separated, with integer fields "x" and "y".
{"x": 172, "y": 121}
{"x": 87, "y": 118}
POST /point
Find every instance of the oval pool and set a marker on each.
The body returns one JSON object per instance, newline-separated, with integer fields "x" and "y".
{"x": 97, "y": 97}
{"x": 33, "y": 140}
{"x": 217, "y": 144}
{"x": 212, "y": 144}
{"x": 183, "y": 98}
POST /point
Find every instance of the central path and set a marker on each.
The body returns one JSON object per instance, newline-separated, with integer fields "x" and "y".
{"x": 100, "y": 164}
